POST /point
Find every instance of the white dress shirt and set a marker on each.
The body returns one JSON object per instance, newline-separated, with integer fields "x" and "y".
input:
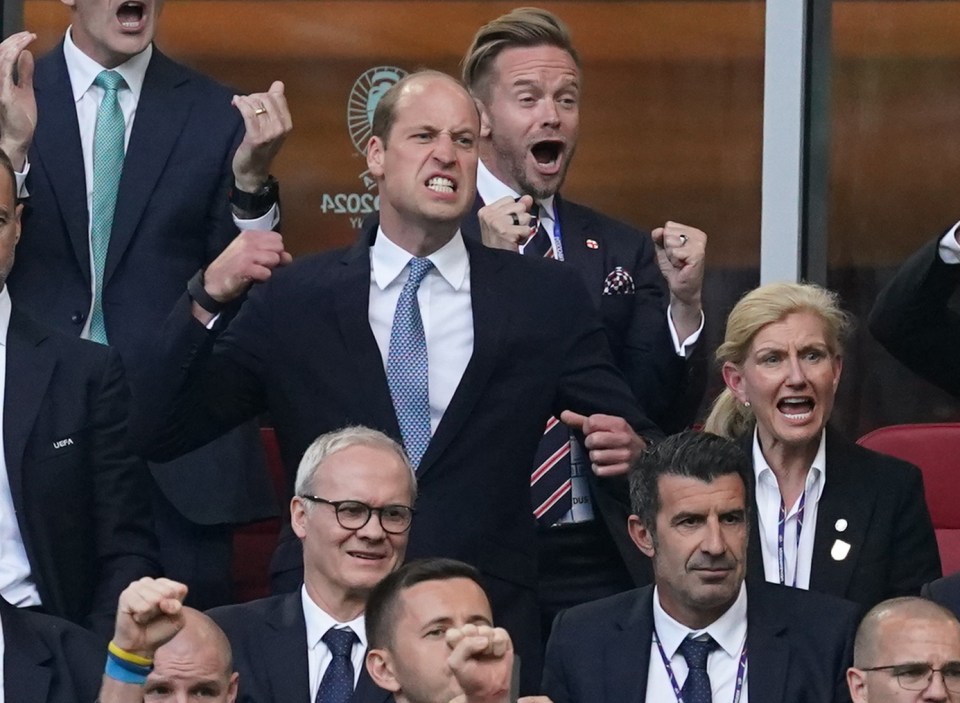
{"x": 83, "y": 71}
{"x": 797, "y": 560}
{"x": 16, "y": 581}
{"x": 492, "y": 189}
{"x": 729, "y": 631}
{"x": 949, "y": 249}
{"x": 445, "y": 307}
{"x": 318, "y": 654}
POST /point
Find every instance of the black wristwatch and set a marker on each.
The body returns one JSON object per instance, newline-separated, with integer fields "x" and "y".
{"x": 199, "y": 295}
{"x": 257, "y": 203}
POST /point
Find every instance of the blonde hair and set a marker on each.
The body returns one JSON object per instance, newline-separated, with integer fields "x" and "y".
{"x": 758, "y": 308}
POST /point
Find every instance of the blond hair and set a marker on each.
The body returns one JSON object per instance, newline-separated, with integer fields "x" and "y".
{"x": 758, "y": 308}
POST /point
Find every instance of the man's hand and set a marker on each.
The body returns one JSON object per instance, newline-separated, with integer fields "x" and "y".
{"x": 681, "y": 251}
{"x": 482, "y": 663}
{"x": 149, "y": 615}
{"x": 18, "y": 106}
{"x": 497, "y": 228}
{"x": 267, "y": 121}
{"x": 250, "y": 257}
{"x": 612, "y": 443}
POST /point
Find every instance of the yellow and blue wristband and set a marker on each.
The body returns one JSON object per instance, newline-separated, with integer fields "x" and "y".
{"x": 127, "y": 667}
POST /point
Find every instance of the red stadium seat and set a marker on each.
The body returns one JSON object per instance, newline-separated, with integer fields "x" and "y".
{"x": 935, "y": 448}
{"x": 253, "y": 544}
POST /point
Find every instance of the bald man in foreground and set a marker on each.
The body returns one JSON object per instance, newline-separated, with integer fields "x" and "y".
{"x": 163, "y": 649}
{"x": 907, "y": 649}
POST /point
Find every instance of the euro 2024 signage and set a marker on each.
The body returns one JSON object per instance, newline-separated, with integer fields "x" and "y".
{"x": 364, "y": 96}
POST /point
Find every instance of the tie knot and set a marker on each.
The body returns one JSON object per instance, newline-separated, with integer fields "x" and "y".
{"x": 419, "y": 267}
{"x": 697, "y": 651}
{"x": 109, "y": 80}
{"x": 340, "y": 641}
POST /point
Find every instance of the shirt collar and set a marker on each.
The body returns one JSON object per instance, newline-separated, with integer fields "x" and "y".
{"x": 816, "y": 476}
{"x": 318, "y": 622}
{"x": 388, "y": 261}
{"x": 729, "y": 630}
{"x": 492, "y": 188}
{"x": 5, "y": 308}
{"x": 83, "y": 70}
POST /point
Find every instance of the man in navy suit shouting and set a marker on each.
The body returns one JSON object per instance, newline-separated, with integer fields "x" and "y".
{"x": 125, "y": 160}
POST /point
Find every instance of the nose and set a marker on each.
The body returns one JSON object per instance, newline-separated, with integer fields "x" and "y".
{"x": 713, "y": 542}
{"x": 549, "y": 114}
{"x": 936, "y": 690}
{"x": 796, "y": 375}
{"x": 444, "y": 149}
{"x": 373, "y": 530}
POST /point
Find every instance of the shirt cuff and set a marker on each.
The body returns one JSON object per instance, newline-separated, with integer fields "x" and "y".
{"x": 21, "y": 179}
{"x": 949, "y": 249}
{"x": 267, "y": 221}
{"x": 683, "y": 348}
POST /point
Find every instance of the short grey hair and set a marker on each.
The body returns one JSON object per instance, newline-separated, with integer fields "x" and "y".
{"x": 332, "y": 442}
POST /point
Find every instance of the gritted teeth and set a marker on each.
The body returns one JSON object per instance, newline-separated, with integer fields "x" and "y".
{"x": 441, "y": 185}
{"x": 547, "y": 151}
{"x": 130, "y": 13}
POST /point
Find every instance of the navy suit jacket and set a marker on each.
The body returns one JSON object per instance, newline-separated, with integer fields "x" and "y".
{"x": 945, "y": 591}
{"x": 81, "y": 497}
{"x": 912, "y": 320}
{"x": 799, "y": 646}
{"x": 269, "y": 642}
{"x": 48, "y": 660}
{"x": 302, "y": 347}
{"x": 893, "y": 548}
{"x": 172, "y": 218}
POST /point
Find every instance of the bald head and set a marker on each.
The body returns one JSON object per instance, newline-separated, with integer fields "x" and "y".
{"x": 887, "y": 619}
{"x": 197, "y": 661}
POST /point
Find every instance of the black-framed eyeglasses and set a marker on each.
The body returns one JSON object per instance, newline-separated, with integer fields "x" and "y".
{"x": 352, "y": 514}
{"x": 918, "y": 675}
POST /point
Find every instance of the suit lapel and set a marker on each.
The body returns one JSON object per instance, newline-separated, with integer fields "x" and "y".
{"x": 57, "y": 144}
{"x": 286, "y": 643}
{"x": 352, "y": 303}
{"x": 574, "y": 237}
{"x": 841, "y": 501}
{"x": 30, "y": 365}
{"x": 470, "y": 225}
{"x": 489, "y": 311}
{"x": 628, "y": 650}
{"x": 161, "y": 112}
{"x": 25, "y": 659}
{"x": 768, "y": 653}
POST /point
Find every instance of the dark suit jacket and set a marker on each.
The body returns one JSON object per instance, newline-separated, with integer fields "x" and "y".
{"x": 893, "y": 548}
{"x": 945, "y": 591}
{"x": 911, "y": 318}
{"x": 172, "y": 218}
{"x": 799, "y": 646}
{"x": 302, "y": 347}
{"x": 81, "y": 497}
{"x": 669, "y": 387}
{"x": 269, "y": 642}
{"x": 48, "y": 660}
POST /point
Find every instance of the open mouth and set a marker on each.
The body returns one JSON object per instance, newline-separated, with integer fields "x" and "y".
{"x": 439, "y": 184}
{"x": 798, "y": 408}
{"x": 547, "y": 153}
{"x": 131, "y": 14}
{"x": 366, "y": 556}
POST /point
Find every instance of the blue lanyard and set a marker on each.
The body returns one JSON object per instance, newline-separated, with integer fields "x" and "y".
{"x": 741, "y": 671}
{"x": 781, "y": 527}
{"x": 557, "y": 237}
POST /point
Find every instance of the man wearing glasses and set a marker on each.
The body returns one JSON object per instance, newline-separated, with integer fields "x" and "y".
{"x": 907, "y": 650}
{"x": 352, "y": 510}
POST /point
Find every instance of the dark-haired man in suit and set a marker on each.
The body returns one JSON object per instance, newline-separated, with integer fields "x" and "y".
{"x": 417, "y": 332}
{"x": 126, "y": 159}
{"x": 700, "y": 630}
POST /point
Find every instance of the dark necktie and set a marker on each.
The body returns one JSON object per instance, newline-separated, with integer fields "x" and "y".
{"x": 407, "y": 366}
{"x": 337, "y": 683}
{"x": 550, "y": 485}
{"x": 696, "y": 689}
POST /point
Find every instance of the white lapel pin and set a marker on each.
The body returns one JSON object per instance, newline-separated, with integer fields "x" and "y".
{"x": 841, "y": 525}
{"x": 840, "y": 550}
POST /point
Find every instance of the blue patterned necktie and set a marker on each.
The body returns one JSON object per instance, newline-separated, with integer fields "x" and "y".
{"x": 336, "y": 686}
{"x": 696, "y": 689}
{"x": 108, "y": 152}
{"x": 407, "y": 366}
